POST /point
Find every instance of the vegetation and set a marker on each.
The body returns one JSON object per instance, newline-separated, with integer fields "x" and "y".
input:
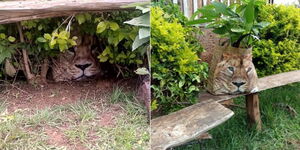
{"x": 77, "y": 126}
{"x": 43, "y": 39}
{"x": 279, "y": 48}
{"x": 238, "y": 22}
{"x": 176, "y": 71}
{"x": 281, "y": 124}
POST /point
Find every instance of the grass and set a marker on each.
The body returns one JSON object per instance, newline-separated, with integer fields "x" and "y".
{"x": 281, "y": 127}
{"x": 78, "y": 124}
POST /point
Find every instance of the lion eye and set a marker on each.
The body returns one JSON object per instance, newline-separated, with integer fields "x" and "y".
{"x": 231, "y": 69}
{"x": 249, "y": 69}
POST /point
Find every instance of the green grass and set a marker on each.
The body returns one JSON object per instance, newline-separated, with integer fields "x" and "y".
{"x": 281, "y": 129}
{"x": 79, "y": 125}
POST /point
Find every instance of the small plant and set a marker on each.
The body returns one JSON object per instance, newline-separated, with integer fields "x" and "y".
{"x": 238, "y": 22}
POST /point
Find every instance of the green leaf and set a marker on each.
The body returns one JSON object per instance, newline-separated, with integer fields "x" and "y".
{"x": 198, "y": 21}
{"x": 181, "y": 83}
{"x": 41, "y": 39}
{"x": 113, "y": 26}
{"x": 87, "y": 16}
{"x": 101, "y": 27}
{"x": 47, "y": 36}
{"x": 2, "y": 36}
{"x": 144, "y": 32}
{"x": 143, "y": 20}
{"x": 64, "y": 35}
{"x": 11, "y": 39}
{"x": 80, "y": 18}
{"x": 52, "y": 44}
{"x": 103, "y": 58}
{"x": 238, "y": 30}
{"x": 220, "y": 7}
{"x": 138, "y": 42}
{"x": 249, "y": 13}
{"x": 62, "y": 47}
{"x": 142, "y": 71}
{"x": 220, "y": 31}
{"x": 263, "y": 24}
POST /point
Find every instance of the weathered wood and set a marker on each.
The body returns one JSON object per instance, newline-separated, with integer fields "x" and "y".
{"x": 13, "y": 11}
{"x": 264, "y": 83}
{"x": 187, "y": 124}
{"x": 253, "y": 113}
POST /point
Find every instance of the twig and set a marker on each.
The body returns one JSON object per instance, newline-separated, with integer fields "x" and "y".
{"x": 287, "y": 107}
{"x": 16, "y": 87}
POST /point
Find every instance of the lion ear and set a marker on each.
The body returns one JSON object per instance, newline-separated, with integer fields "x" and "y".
{"x": 226, "y": 56}
{"x": 248, "y": 57}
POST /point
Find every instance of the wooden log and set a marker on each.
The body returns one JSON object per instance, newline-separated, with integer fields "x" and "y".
{"x": 13, "y": 11}
{"x": 187, "y": 124}
{"x": 253, "y": 113}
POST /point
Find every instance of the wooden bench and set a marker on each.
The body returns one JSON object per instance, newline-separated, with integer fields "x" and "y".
{"x": 189, "y": 123}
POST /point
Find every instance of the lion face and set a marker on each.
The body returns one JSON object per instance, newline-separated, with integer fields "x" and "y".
{"x": 77, "y": 63}
{"x": 235, "y": 75}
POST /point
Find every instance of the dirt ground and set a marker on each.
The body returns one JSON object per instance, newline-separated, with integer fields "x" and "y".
{"x": 22, "y": 96}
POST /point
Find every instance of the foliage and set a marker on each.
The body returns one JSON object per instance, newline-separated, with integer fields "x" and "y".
{"x": 172, "y": 9}
{"x": 272, "y": 58}
{"x": 143, "y": 37}
{"x": 118, "y": 40}
{"x": 46, "y": 38}
{"x": 279, "y": 51}
{"x": 284, "y": 22}
{"x": 238, "y": 22}
{"x": 176, "y": 70}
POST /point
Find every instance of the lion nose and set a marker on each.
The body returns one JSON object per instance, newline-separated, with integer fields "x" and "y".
{"x": 238, "y": 84}
{"x": 82, "y": 67}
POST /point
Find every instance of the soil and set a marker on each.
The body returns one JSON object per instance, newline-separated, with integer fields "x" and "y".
{"x": 21, "y": 95}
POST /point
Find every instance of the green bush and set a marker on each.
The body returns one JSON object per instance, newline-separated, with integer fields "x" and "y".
{"x": 279, "y": 49}
{"x": 46, "y": 38}
{"x": 176, "y": 72}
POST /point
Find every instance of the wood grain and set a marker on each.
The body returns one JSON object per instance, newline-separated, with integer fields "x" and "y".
{"x": 253, "y": 113}
{"x": 186, "y": 124}
{"x": 14, "y": 11}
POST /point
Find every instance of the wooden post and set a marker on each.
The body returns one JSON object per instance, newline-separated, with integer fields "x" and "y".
{"x": 253, "y": 113}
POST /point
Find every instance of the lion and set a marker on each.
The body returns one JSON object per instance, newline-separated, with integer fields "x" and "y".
{"x": 77, "y": 63}
{"x": 235, "y": 74}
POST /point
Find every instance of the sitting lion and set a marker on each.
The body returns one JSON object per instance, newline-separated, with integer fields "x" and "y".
{"x": 77, "y": 63}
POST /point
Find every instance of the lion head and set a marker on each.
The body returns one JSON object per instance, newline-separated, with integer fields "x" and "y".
{"x": 77, "y": 63}
{"x": 235, "y": 74}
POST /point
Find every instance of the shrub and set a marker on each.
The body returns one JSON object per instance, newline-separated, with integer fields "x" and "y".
{"x": 279, "y": 49}
{"x": 46, "y": 38}
{"x": 176, "y": 72}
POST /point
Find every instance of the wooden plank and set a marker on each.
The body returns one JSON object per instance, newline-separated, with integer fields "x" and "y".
{"x": 253, "y": 113}
{"x": 264, "y": 83}
{"x": 13, "y": 11}
{"x": 186, "y": 124}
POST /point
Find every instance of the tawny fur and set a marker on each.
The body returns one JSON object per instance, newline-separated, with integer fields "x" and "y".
{"x": 65, "y": 67}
